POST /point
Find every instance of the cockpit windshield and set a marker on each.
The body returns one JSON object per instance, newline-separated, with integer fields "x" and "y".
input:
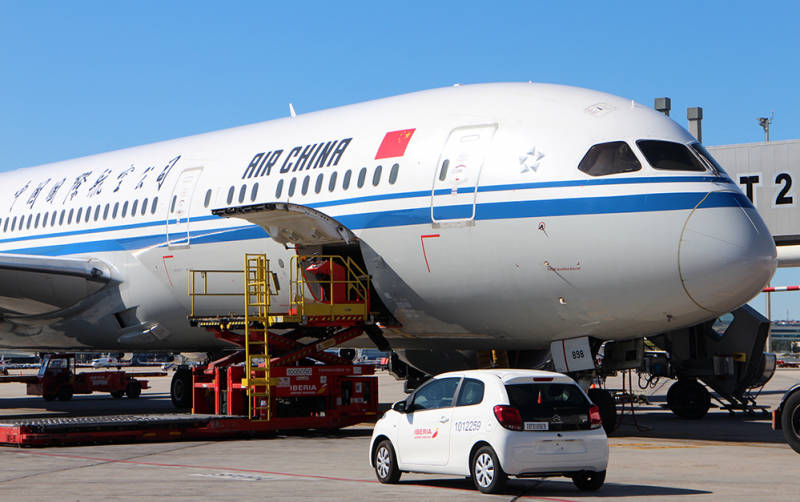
{"x": 609, "y": 158}
{"x": 707, "y": 158}
{"x": 669, "y": 156}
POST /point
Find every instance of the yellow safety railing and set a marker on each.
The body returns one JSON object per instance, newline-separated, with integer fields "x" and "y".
{"x": 199, "y": 279}
{"x": 328, "y": 288}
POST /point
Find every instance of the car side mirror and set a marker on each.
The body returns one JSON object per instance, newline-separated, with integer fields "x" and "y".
{"x": 399, "y": 406}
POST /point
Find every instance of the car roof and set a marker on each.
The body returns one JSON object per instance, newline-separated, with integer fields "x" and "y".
{"x": 509, "y": 374}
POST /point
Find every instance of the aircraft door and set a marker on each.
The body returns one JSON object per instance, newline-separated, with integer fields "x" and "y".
{"x": 457, "y": 174}
{"x": 179, "y": 208}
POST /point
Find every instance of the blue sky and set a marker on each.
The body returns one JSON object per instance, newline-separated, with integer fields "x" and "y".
{"x": 78, "y": 78}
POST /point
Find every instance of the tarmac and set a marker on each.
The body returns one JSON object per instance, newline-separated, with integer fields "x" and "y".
{"x": 654, "y": 456}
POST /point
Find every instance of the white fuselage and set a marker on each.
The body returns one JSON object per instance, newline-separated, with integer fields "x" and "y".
{"x": 513, "y": 247}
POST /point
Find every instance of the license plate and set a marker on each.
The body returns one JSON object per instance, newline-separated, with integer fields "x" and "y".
{"x": 537, "y": 426}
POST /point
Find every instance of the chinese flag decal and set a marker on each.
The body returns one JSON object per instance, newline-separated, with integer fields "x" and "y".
{"x": 394, "y": 144}
{"x": 436, "y": 433}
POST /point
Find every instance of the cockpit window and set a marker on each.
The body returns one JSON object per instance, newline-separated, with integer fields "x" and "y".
{"x": 609, "y": 158}
{"x": 707, "y": 158}
{"x": 669, "y": 156}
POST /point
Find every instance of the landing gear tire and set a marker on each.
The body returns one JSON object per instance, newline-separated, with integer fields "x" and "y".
{"x": 486, "y": 472}
{"x": 790, "y": 421}
{"x": 688, "y": 399}
{"x": 386, "y": 463}
{"x": 64, "y": 393}
{"x": 608, "y": 408}
{"x": 181, "y": 388}
{"x": 589, "y": 481}
{"x": 133, "y": 390}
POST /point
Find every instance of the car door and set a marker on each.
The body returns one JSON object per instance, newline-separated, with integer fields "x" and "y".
{"x": 424, "y": 432}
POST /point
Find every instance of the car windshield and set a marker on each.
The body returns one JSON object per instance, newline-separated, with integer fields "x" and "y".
{"x": 561, "y": 406}
{"x": 669, "y": 156}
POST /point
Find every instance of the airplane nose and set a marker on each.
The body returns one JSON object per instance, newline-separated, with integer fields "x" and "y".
{"x": 726, "y": 254}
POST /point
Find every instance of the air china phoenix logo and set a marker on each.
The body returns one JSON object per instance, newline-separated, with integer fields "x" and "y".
{"x": 426, "y": 433}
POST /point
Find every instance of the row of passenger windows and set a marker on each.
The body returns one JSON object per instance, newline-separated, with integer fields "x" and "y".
{"x": 319, "y": 182}
{"x": 67, "y": 217}
{"x": 618, "y": 157}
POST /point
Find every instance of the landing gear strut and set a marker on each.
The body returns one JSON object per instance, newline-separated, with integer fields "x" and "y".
{"x": 688, "y": 399}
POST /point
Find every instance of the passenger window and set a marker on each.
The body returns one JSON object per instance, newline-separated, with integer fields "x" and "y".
{"x": 133, "y": 207}
{"x": 230, "y": 196}
{"x": 669, "y": 156}
{"x": 435, "y": 394}
{"x": 144, "y": 206}
{"x": 105, "y": 211}
{"x": 471, "y": 392}
{"x": 13, "y": 223}
{"x": 53, "y": 218}
{"x": 175, "y": 199}
{"x": 332, "y": 182}
{"x": 609, "y": 158}
{"x": 36, "y": 223}
{"x": 61, "y": 218}
{"x": 242, "y": 193}
{"x": 124, "y": 208}
{"x": 69, "y": 220}
{"x": 346, "y": 180}
{"x": 88, "y": 214}
{"x": 443, "y": 172}
{"x": 207, "y": 200}
{"x": 5, "y": 226}
{"x": 153, "y": 207}
{"x": 97, "y": 212}
{"x": 77, "y": 215}
{"x": 304, "y": 190}
{"x": 44, "y": 219}
{"x": 292, "y": 185}
{"x": 376, "y": 177}
{"x": 30, "y": 219}
{"x": 115, "y": 210}
{"x": 362, "y": 175}
{"x": 393, "y": 174}
{"x": 279, "y": 189}
{"x": 318, "y": 184}
{"x": 254, "y": 192}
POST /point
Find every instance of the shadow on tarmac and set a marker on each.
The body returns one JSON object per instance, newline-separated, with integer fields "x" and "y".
{"x": 555, "y": 487}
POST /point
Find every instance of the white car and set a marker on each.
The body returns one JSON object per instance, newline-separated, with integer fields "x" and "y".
{"x": 489, "y": 424}
{"x": 105, "y": 362}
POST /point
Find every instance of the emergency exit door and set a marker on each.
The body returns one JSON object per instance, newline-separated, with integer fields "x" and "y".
{"x": 180, "y": 205}
{"x": 457, "y": 174}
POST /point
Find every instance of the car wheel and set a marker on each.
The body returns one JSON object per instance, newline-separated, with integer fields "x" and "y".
{"x": 589, "y": 481}
{"x": 385, "y": 462}
{"x": 486, "y": 472}
{"x": 790, "y": 421}
{"x": 117, "y": 394}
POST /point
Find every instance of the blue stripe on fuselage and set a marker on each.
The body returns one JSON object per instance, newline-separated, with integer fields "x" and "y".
{"x": 422, "y": 215}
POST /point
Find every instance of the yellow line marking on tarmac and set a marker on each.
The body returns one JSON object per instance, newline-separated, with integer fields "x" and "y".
{"x": 652, "y": 446}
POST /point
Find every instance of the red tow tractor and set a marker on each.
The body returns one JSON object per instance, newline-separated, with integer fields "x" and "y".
{"x": 57, "y": 379}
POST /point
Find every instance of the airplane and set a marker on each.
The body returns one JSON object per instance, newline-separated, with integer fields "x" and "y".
{"x": 504, "y": 216}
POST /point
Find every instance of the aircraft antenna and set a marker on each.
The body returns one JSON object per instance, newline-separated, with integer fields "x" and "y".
{"x": 291, "y": 110}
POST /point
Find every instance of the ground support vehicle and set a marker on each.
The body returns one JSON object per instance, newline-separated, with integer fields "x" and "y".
{"x": 277, "y": 381}
{"x": 787, "y": 417}
{"x": 491, "y": 424}
{"x": 57, "y": 379}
